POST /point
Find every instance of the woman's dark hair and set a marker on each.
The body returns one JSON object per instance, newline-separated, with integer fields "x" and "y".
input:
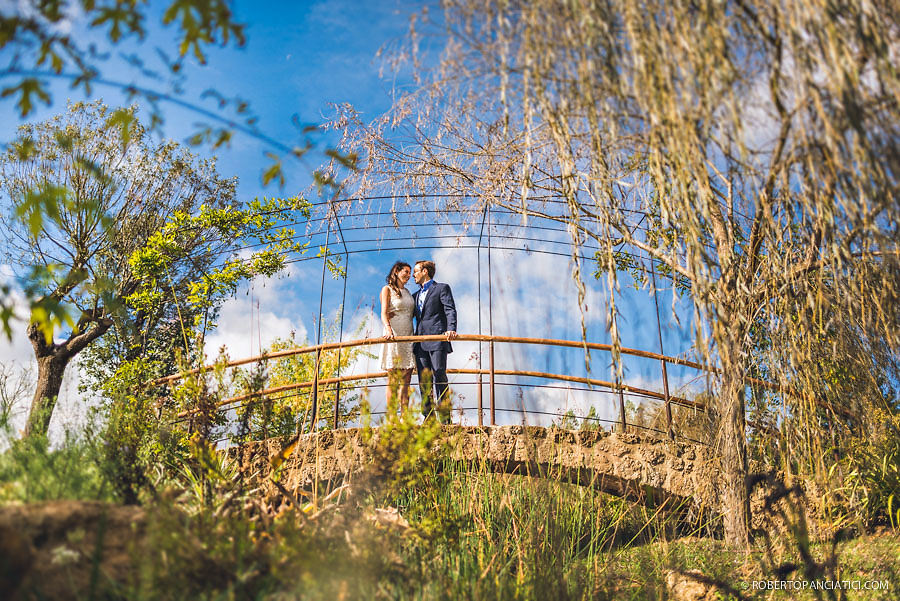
{"x": 392, "y": 279}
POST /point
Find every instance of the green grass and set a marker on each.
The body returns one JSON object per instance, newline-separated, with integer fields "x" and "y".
{"x": 30, "y": 470}
{"x": 489, "y": 536}
{"x": 470, "y": 536}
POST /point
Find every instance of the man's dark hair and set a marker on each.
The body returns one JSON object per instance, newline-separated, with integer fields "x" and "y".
{"x": 428, "y": 266}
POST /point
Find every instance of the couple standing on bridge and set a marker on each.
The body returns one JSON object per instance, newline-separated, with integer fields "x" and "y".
{"x": 434, "y": 311}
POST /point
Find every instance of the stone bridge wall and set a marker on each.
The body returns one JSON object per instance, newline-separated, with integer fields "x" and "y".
{"x": 620, "y": 464}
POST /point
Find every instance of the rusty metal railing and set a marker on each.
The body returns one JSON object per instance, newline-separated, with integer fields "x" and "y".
{"x": 492, "y": 372}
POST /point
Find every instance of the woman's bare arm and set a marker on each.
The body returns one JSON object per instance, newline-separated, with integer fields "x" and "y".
{"x": 386, "y": 310}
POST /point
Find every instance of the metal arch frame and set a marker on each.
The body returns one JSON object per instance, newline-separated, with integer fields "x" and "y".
{"x": 486, "y": 220}
{"x": 332, "y": 217}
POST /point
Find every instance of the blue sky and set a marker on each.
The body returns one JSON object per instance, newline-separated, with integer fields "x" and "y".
{"x": 299, "y": 58}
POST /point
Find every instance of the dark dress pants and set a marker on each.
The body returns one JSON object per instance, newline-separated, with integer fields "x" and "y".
{"x": 436, "y": 361}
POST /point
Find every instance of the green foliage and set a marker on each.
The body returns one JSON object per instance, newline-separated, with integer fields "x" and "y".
{"x": 283, "y": 414}
{"x": 32, "y": 34}
{"x": 135, "y": 438}
{"x": 475, "y": 534}
{"x": 202, "y": 23}
{"x": 194, "y": 401}
{"x": 92, "y": 182}
{"x": 7, "y": 312}
{"x": 497, "y": 537}
{"x": 87, "y": 189}
{"x": 480, "y": 535}
{"x": 47, "y": 312}
{"x": 27, "y": 89}
{"x": 660, "y": 234}
{"x": 570, "y": 421}
{"x": 566, "y": 421}
{"x": 868, "y": 493}
{"x": 333, "y": 261}
{"x": 152, "y": 437}
{"x": 207, "y": 475}
{"x": 458, "y": 531}
{"x": 31, "y": 471}
{"x": 253, "y": 225}
{"x": 406, "y": 455}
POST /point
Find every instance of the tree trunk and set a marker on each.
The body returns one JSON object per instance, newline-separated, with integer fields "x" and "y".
{"x": 732, "y": 442}
{"x": 52, "y": 359}
{"x": 50, "y": 374}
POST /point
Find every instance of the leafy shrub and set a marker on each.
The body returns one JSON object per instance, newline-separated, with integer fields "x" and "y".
{"x": 137, "y": 440}
{"x": 870, "y": 492}
{"x": 281, "y": 414}
{"x": 30, "y": 470}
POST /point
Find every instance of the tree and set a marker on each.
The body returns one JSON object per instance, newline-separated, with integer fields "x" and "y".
{"x": 101, "y": 197}
{"x": 14, "y": 384}
{"x": 156, "y": 335}
{"x": 746, "y": 150}
{"x": 39, "y": 45}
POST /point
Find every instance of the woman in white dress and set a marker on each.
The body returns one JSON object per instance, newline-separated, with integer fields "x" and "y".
{"x": 397, "y": 309}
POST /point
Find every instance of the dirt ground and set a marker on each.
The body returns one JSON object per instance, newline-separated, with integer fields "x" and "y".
{"x": 66, "y": 549}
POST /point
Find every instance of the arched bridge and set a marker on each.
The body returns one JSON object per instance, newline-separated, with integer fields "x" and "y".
{"x": 658, "y": 464}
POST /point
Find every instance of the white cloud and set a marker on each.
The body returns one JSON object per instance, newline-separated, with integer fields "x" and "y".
{"x": 532, "y": 295}
{"x": 535, "y": 295}
{"x": 363, "y": 324}
{"x": 259, "y": 313}
{"x": 71, "y": 11}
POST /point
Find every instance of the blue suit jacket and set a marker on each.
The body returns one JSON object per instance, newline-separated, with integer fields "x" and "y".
{"x": 438, "y": 315}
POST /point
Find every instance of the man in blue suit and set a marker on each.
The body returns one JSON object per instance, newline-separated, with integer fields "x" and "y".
{"x": 435, "y": 314}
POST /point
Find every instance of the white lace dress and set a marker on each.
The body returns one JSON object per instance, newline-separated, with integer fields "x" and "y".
{"x": 399, "y": 355}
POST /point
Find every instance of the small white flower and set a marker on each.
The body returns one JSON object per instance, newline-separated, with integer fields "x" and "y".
{"x": 62, "y": 555}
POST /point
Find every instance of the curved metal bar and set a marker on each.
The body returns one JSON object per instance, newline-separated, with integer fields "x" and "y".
{"x": 462, "y": 338}
{"x": 500, "y": 372}
{"x": 337, "y": 396}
